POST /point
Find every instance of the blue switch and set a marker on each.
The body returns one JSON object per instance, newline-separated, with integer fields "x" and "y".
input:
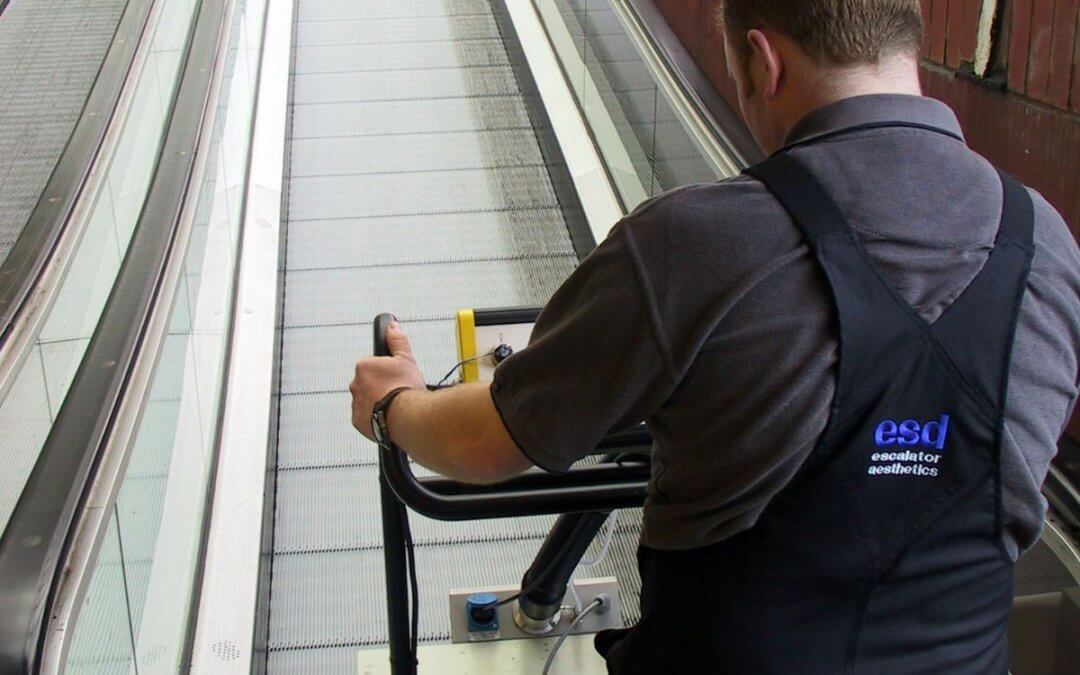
{"x": 483, "y": 612}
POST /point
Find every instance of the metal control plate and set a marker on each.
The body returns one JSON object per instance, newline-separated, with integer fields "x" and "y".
{"x": 482, "y": 331}
{"x": 489, "y": 337}
{"x": 508, "y": 630}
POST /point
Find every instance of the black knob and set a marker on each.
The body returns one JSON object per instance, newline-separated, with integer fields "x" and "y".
{"x": 502, "y": 352}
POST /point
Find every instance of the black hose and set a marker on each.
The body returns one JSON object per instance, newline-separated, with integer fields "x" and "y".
{"x": 557, "y": 559}
{"x": 544, "y": 584}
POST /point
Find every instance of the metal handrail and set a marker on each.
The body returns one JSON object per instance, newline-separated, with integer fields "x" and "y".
{"x": 38, "y": 536}
{"x": 22, "y": 269}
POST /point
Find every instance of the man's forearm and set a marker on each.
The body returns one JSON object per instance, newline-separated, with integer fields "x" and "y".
{"x": 456, "y": 432}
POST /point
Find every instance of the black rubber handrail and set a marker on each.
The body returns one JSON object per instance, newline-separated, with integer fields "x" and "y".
{"x": 585, "y": 488}
{"x": 21, "y": 271}
{"x": 724, "y": 122}
{"x": 38, "y": 536}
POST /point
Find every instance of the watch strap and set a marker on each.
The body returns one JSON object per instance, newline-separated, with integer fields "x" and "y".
{"x": 378, "y": 413}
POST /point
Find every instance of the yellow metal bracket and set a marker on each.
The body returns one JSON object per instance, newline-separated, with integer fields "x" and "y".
{"x": 470, "y": 371}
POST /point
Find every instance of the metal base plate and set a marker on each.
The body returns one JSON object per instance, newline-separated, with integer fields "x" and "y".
{"x": 576, "y": 656}
{"x": 508, "y": 630}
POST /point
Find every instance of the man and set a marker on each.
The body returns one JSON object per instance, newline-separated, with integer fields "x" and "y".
{"x": 822, "y": 350}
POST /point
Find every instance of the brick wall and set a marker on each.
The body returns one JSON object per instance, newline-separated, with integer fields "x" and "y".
{"x": 1022, "y": 111}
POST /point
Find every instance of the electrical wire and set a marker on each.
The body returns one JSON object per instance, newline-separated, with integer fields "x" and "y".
{"x": 461, "y": 364}
{"x": 597, "y": 603}
{"x": 612, "y": 523}
{"x": 410, "y": 555}
{"x": 605, "y": 546}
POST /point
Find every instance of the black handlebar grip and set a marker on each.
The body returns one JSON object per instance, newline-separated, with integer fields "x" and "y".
{"x": 382, "y": 322}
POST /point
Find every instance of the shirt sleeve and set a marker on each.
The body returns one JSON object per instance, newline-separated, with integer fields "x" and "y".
{"x": 595, "y": 362}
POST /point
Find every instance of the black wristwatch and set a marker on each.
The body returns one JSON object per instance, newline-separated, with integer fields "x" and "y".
{"x": 378, "y": 417}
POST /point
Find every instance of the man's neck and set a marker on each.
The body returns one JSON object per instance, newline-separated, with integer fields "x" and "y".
{"x": 823, "y": 85}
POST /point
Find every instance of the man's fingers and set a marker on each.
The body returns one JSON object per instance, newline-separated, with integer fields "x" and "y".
{"x": 397, "y": 342}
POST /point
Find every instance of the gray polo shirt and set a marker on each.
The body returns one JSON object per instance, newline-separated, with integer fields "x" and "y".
{"x": 705, "y": 314}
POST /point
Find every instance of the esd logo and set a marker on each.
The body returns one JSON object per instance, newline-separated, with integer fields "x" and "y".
{"x": 930, "y": 434}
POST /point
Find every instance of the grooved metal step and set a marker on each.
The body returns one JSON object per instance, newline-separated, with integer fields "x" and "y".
{"x": 50, "y": 53}
{"x": 319, "y": 10}
{"x": 375, "y": 195}
{"x": 422, "y": 56}
{"x": 321, "y": 358}
{"x": 397, "y": 31}
{"x": 418, "y": 239}
{"x": 1039, "y": 570}
{"x": 316, "y": 431}
{"x": 403, "y": 85}
{"x": 417, "y": 186}
{"x": 339, "y": 499}
{"x": 446, "y": 151}
{"x": 372, "y": 118}
{"x": 352, "y": 612}
{"x": 420, "y": 292}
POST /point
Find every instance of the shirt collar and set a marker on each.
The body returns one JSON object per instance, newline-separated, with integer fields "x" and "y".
{"x": 875, "y": 109}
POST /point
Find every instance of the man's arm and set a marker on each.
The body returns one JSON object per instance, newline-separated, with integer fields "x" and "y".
{"x": 456, "y": 432}
{"x": 598, "y": 360}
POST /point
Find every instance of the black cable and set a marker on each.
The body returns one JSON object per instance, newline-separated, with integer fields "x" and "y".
{"x": 597, "y": 603}
{"x": 410, "y": 557}
{"x": 460, "y": 365}
{"x": 410, "y": 553}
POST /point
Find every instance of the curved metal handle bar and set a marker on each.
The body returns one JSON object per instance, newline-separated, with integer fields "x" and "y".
{"x": 586, "y": 488}
{"x": 609, "y": 472}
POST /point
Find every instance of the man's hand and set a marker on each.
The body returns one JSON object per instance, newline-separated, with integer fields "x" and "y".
{"x": 378, "y": 376}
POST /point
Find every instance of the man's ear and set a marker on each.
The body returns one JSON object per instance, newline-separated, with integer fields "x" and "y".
{"x": 761, "y": 48}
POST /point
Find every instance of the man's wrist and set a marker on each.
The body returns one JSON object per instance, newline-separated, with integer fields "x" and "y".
{"x": 396, "y": 420}
{"x": 380, "y": 415}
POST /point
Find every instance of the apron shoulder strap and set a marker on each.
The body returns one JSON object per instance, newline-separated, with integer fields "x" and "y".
{"x": 802, "y": 195}
{"x": 978, "y": 328}
{"x": 874, "y": 320}
{"x": 1017, "y": 213}
{"x": 872, "y": 313}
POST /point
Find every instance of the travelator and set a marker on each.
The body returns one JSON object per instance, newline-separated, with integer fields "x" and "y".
{"x": 245, "y": 187}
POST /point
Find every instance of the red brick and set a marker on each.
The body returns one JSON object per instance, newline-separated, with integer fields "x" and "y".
{"x": 1042, "y": 39}
{"x": 954, "y": 39}
{"x": 939, "y": 22}
{"x": 1062, "y": 53}
{"x": 1019, "y": 42}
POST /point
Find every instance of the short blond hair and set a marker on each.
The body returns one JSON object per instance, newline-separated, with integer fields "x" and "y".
{"x": 841, "y": 31}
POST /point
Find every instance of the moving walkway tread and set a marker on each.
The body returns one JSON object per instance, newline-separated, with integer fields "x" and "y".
{"x": 417, "y": 184}
{"x": 50, "y": 54}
